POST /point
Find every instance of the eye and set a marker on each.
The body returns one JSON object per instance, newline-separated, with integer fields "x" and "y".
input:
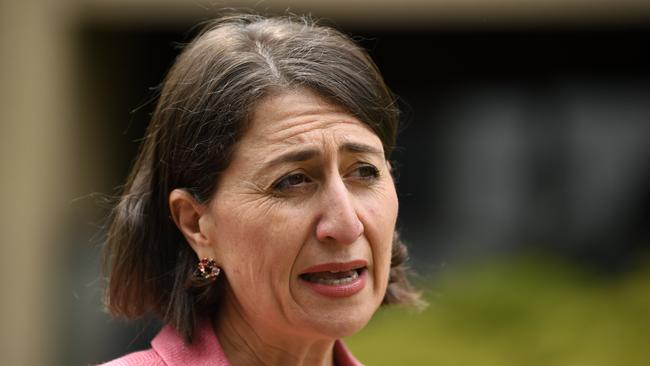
{"x": 366, "y": 172}
{"x": 290, "y": 181}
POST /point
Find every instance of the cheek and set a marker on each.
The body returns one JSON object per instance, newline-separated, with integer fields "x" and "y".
{"x": 383, "y": 212}
{"x": 259, "y": 247}
{"x": 381, "y": 218}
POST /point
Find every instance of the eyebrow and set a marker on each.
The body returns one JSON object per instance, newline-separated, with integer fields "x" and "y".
{"x": 294, "y": 156}
{"x": 307, "y": 154}
{"x": 355, "y": 147}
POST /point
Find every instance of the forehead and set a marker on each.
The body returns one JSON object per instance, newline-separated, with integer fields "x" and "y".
{"x": 301, "y": 116}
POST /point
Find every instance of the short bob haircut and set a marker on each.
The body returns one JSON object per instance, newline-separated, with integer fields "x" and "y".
{"x": 202, "y": 112}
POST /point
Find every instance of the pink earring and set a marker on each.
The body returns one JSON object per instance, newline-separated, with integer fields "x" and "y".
{"x": 208, "y": 269}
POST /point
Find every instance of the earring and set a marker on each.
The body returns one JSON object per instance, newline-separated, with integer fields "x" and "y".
{"x": 207, "y": 269}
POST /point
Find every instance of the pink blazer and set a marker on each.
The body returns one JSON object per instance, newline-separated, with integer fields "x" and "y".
{"x": 168, "y": 349}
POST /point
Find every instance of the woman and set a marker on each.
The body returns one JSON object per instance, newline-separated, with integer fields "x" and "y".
{"x": 259, "y": 219}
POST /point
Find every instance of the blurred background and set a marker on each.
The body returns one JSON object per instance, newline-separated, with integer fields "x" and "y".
{"x": 524, "y": 171}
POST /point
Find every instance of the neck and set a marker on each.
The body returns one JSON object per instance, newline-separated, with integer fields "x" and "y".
{"x": 250, "y": 342}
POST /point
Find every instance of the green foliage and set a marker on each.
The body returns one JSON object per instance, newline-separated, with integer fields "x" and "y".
{"x": 524, "y": 312}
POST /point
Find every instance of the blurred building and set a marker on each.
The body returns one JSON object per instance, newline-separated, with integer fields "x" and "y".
{"x": 527, "y": 128}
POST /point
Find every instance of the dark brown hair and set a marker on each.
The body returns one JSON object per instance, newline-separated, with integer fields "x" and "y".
{"x": 202, "y": 111}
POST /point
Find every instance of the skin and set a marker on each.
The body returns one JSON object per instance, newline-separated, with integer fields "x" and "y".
{"x": 308, "y": 185}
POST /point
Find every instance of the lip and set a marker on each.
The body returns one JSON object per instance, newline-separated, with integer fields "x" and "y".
{"x": 336, "y": 266}
{"x": 340, "y": 290}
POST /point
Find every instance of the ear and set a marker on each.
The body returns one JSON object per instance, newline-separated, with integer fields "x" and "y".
{"x": 189, "y": 216}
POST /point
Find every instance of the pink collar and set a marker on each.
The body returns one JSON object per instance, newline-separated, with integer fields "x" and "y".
{"x": 205, "y": 349}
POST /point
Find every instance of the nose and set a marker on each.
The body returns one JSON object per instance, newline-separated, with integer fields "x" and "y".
{"x": 339, "y": 221}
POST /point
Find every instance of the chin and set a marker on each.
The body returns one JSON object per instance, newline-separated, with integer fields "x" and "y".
{"x": 342, "y": 322}
{"x": 333, "y": 315}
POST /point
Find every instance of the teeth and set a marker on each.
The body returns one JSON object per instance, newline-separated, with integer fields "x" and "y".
{"x": 338, "y": 281}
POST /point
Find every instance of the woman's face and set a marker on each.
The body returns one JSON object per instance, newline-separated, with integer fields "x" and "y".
{"x": 302, "y": 220}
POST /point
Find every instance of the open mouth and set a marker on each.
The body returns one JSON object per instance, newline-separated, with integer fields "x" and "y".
{"x": 333, "y": 278}
{"x": 336, "y": 279}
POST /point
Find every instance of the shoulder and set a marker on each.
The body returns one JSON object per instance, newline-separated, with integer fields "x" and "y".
{"x": 169, "y": 349}
{"x": 144, "y": 358}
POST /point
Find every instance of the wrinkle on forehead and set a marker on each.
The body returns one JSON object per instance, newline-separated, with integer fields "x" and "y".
{"x": 298, "y": 132}
{"x": 291, "y": 117}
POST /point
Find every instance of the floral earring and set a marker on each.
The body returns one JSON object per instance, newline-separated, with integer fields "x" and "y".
{"x": 207, "y": 269}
